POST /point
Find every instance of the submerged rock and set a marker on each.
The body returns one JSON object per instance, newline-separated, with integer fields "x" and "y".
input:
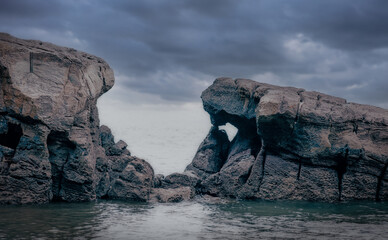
{"x": 175, "y": 187}
{"x": 291, "y": 144}
{"x": 177, "y": 194}
{"x": 51, "y": 145}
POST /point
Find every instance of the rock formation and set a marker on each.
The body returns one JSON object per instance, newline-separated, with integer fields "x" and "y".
{"x": 51, "y": 145}
{"x": 291, "y": 144}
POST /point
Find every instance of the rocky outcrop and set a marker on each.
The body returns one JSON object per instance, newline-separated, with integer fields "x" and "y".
{"x": 51, "y": 145}
{"x": 291, "y": 144}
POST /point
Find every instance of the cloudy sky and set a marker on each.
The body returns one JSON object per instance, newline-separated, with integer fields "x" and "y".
{"x": 170, "y": 51}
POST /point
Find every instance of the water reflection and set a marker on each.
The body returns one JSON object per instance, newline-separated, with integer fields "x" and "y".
{"x": 195, "y": 220}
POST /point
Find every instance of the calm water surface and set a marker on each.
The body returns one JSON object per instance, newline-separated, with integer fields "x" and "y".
{"x": 197, "y": 219}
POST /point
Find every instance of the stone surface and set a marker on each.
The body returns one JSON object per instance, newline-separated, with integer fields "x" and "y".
{"x": 291, "y": 144}
{"x": 134, "y": 182}
{"x": 211, "y": 153}
{"x": 187, "y": 178}
{"x": 177, "y": 194}
{"x": 51, "y": 145}
{"x": 175, "y": 187}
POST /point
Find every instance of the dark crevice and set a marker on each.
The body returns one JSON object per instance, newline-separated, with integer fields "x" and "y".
{"x": 263, "y": 163}
{"x": 341, "y": 170}
{"x": 244, "y": 178}
{"x": 223, "y": 155}
{"x": 318, "y": 102}
{"x": 57, "y": 182}
{"x": 31, "y": 62}
{"x": 299, "y": 169}
{"x": 12, "y": 137}
{"x": 262, "y": 157}
{"x": 255, "y": 146}
{"x": 380, "y": 180}
{"x": 355, "y": 127}
{"x": 61, "y": 149}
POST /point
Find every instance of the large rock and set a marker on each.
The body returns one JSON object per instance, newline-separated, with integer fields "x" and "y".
{"x": 291, "y": 144}
{"x": 51, "y": 145}
{"x": 211, "y": 154}
{"x": 134, "y": 182}
{"x": 175, "y": 187}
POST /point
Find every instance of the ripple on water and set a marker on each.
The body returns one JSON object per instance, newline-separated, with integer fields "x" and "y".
{"x": 195, "y": 220}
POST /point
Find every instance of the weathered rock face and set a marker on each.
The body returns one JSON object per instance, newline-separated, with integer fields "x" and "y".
{"x": 175, "y": 187}
{"x": 51, "y": 145}
{"x": 291, "y": 144}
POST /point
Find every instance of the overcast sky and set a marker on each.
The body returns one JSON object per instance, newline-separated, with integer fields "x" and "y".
{"x": 173, "y": 50}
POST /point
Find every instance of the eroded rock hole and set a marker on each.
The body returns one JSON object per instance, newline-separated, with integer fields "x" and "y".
{"x": 61, "y": 149}
{"x": 242, "y": 132}
{"x": 230, "y": 130}
{"x": 12, "y": 137}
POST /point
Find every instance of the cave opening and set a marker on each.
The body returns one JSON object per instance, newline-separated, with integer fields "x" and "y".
{"x": 241, "y": 131}
{"x": 230, "y": 130}
{"x": 12, "y": 137}
{"x": 61, "y": 149}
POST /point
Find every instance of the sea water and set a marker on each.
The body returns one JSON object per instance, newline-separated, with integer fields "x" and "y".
{"x": 168, "y": 136}
{"x": 197, "y": 219}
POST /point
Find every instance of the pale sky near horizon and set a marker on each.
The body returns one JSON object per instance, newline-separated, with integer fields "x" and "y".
{"x": 169, "y": 51}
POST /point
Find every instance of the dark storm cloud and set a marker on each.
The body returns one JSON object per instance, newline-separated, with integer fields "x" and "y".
{"x": 174, "y": 49}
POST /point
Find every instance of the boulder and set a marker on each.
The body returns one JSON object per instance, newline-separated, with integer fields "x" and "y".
{"x": 166, "y": 195}
{"x": 175, "y": 187}
{"x": 134, "y": 182}
{"x": 187, "y": 178}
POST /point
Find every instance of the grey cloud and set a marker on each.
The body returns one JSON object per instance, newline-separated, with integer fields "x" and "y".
{"x": 174, "y": 49}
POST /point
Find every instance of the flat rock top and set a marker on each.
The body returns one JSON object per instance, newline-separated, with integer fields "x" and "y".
{"x": 52, "y": 66}
{"x": 48, "y": 82}
{"x": 250, "y": 99}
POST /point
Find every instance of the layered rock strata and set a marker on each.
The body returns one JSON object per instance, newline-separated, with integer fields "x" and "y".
{"x": 51, "y": 145}
{"x": 291, "y": 144}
